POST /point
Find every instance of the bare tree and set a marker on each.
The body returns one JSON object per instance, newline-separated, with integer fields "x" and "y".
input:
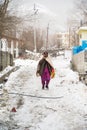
{"x": 81, "y": 5}
{"x": 77, "y": 17}
{"x": 7, "y": 21}
{"x": 28, "y": 38}
{"x": 3, "y": 9}
{"x": 81, "y": 8}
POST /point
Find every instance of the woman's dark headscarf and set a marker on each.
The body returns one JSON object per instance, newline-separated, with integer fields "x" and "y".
{"x": 45, "y": 54}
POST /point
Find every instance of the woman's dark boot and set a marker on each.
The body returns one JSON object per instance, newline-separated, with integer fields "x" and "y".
{"x": 47, "y": 87}
{"x": 43, "y": 86}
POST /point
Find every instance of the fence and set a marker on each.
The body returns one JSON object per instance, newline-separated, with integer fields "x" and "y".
{"x": 5, "y": 60}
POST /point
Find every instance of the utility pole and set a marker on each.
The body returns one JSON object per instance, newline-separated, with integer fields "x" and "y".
{"x": 47, "y": 36}
{"x": 35, "y": 13}
{"x": 69, "y": 37}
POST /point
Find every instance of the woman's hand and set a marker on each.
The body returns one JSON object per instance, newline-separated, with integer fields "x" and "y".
{"x": 37, "y": 74}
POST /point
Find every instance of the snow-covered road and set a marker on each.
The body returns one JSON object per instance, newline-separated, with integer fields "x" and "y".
{"x": 62, "y": 107}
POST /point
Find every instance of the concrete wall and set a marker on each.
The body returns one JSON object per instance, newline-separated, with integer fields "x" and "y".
{"x": 79, "y": 62}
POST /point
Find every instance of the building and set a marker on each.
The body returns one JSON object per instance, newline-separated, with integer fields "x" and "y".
{"x": 82, "y": 32}
{"x": 8, "y": 51}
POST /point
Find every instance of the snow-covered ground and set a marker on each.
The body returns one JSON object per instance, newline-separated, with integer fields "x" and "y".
{"x": 62, "y": 107}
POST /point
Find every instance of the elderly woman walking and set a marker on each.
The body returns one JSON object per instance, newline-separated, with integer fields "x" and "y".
{"x": 45, "y": 69}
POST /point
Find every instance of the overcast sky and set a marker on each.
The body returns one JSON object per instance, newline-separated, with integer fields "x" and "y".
{"x": 60, "y": 8}
{"x": 54, "y": 5}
